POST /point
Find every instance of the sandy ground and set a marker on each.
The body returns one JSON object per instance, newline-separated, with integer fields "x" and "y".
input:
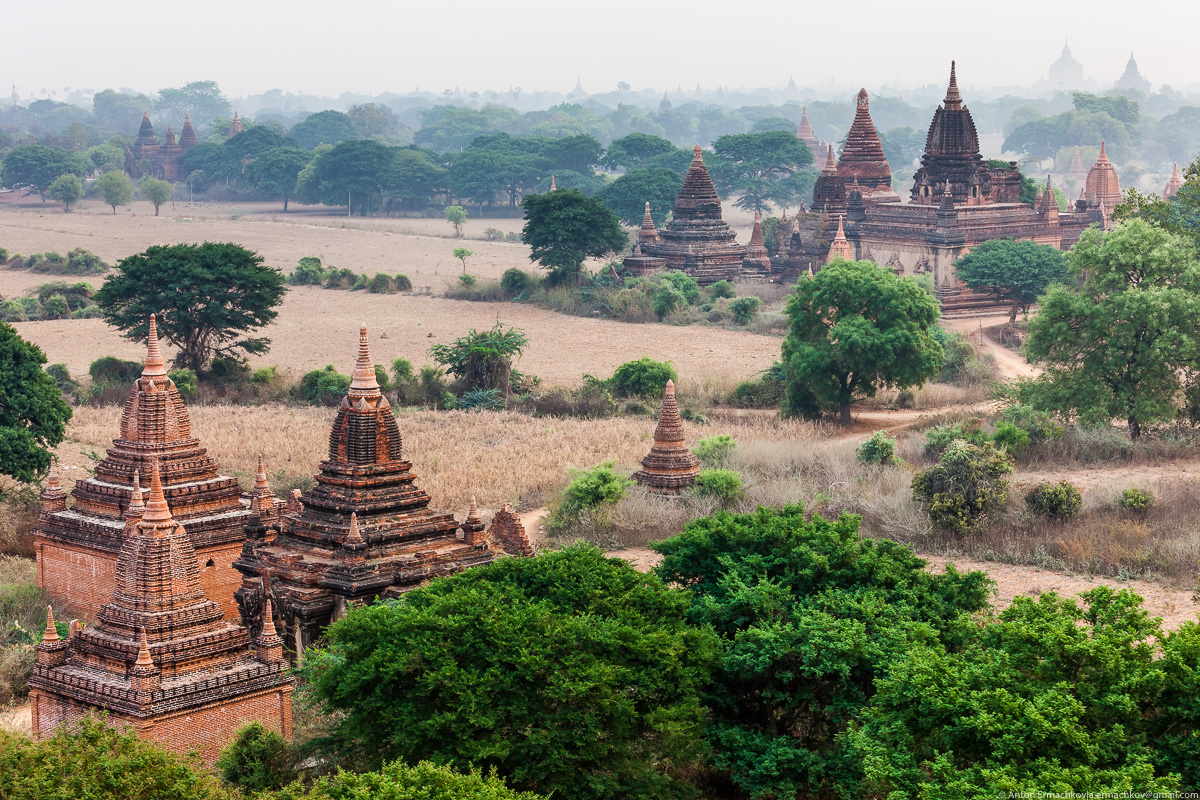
{"x": 1010, "y": 363}
{"x": 18, "y": 719}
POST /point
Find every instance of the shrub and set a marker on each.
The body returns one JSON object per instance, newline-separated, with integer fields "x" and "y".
{"x": 959, "y": 353}
{"x": 723, "y": 485}
{"x": 258, "y": 760}
{"x": 589, "y": 489}
{"x": 642, "y": 378}
{"x": 493, "y": 234}
{"x": 1011, "y": 438}
{"x": 185, "y": 382}
{"x": 1136, "y": 500}
{"x": 590, "y": 401}
{"x": 111, "y": 370}
{"x": 56, "y": 307}
{"x": 229, "y": 371}
{"x": 403, "y": 284}
{"x": 714, "y": 450}
{"x": 264, "y": 375}
{"x": 83, "y": 262}
{"x": 16, "y": 665}
{"x": 61, "y": 376}
{"x": 323, "y": 386}
{"x": 13, "y": 311}
{"x": 1040, "y": 426}
{"x": 467, "y": 280}
{"x": 482, "y": 400}
{"x": 517, "y": 282}
{"x": 88, "y": 312}
{"x": 668, "y": 299}
{"x": 744, "y": 309}
{"x": 360, "y": 283}
{"x": 1057, "y": 501}
{"x": 685, "y": 284}
{"x": 433, "y": 387}
{"x": 764, "y": 392}
{"x": 381, "y": 284}
{"x": 308, "y": 272}
{"x": 879, "y": 449}
{"x": 483, "y": 359}
{"x": 966, "y": 485}
{"x": 939, "y": 438}
{"x": 721, "y": 289}
{"x": 3, "y": 255}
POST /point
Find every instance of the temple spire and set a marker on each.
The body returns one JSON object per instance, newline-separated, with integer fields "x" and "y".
{"x": 157, "y": 509}
{"x": 830, "y": 162}
{"x": 144, "y": 658}
{"x": 51, "y": 634}
{"x": 953, "y": 98}
{"x": 364, "y": 381}
{"x": 260, "y": 477}
{"x": 155, "y": 367}
{"x": 268, "y": 628}
{"x": 136, "y": 507}
{"x": 553, "y": 186}
{"x": 52, "y": 482}
{"x": 354, "y": 536}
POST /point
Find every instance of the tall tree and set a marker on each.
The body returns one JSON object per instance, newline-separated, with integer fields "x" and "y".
{"x": 118, "y": 111}
{"x": 275, "y": 171}
{"x": 1125, "y": 344}
{"x": 565, "y": 227}
{"x": 1017, "y": 272}
{"x": 66, "y": 189}
{"x": 323, "y": 127}
{"x": 373, "y": 121}
{"x": 856, "y": 328}
{"x": 762, "y": 168}
{"x": 580, "y": 153}
{"x": 206, "y": 296}
{"x": 633, "y": 151}
{"x": 628, "y": 194}
{"x": 201, "y": 99}
{"x": 115, "y": 188}
{"x": 156, "y": 192}
{"x": 355, "y": 172}
{"x": 35, "y": 166}
{"x": 33, "y": 414}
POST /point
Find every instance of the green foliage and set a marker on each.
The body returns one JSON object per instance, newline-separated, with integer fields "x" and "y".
{"x": 483, "y": 359}
{"x": 62, "y": 378}
{"x": 308, "y": 272}
{"x": 66, "y": 189}
{"x": 565, "y": 227}
{"x": 93, "y": 760}
{"x": 276, "y": 171}
{"x": 715, "y": 450}
{"x": 763, "y": 168}
{"x": 721, "y": 289}
{"x": 33, "y": 414}
{"x": 879, "y": 449}
{"x": 481, "y": 400}
{"x": 462, "y": 254}
{"x": 398, "y": 781}
{"x": 744, "y": 309}
{"x": 55, "y": 307}
{"x": 631, "y": 152}
{"x": 1057, "y": 501}
{"x": 642, "y": 378}
{"x": 323, "y": 127}
{"x": 112, "y": 370}
{"x": 186, "y": 382}
{"x": 937, "y": 439}
{"x": 811, "y": 615}
{"x": 403, "y": 284}
{"x": 257, "y": 760}
{"x": 856, "y": 328}
{"x": 592, "y": 659}
{"x": 381, "y": 283}
{"x": 684, "y": 283}
{"x": 1011, "y": 438}
{"x": 1126, "y": 344}
{"x": 668, "y": 299}
{"x": 456, "y": 216}
{"x": 627, "y": 195}
{"x": 960, "y": 355}
{"x": 36, "y": 166}
{"x": 1136, "y": 500}
{"x": 593, "y": 400}
{"x": 517, "y": 283}
{"x": 592, "y": 488}
{"x": 115, "y": 188}
{"x": 211, "y": 294}
{"x": 968, "y": 483}
{"x": 323, "y": 386}
{"x": 723, "y": 485}
{"x": 1017, "y": 272}
{"x": 467, "y": 281}
{"x": 156, "y": 192}
{"x": 1039, "y": 425}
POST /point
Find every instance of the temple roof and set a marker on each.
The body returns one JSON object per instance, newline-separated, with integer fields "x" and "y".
{"x": 187, "y": 137}
{"x": 647, "y": 233}
{"x": 1174, "y": 183}
{"x": 862, "y": 155}
{"x": 840, "y": 247}
{"x": 1103, "y": 188}
{"x": 952, "y": 154}
{"x": 698, "y": 198}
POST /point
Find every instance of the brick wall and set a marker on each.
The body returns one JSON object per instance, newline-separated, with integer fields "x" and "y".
{"x": 221, "y": 580}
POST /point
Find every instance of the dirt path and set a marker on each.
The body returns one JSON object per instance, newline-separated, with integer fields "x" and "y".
{"x": 1010, "y": 364}
{"x": 18, "y": 719}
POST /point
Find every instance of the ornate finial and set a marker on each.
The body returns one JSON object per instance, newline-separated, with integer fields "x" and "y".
{"x": 144, "y": 660}
{"x": 552, "y": 184}
{"x": 697, "y": 154}
{"x": 52, "y": 483}
{"x": 136, "y": 506}
{"x": 156, "y": 508}
{"x": 830, "y": 163}
{"x": 51, "y": 634}
{"x": 354, "y": 536}
{"x": 670, "y": 388}
{"x": 268, "y": 628}
{"x": 1103, "y": 154}
{"x": 155, "y": 366}
{"x": 953, "y": 98}
{"x": 364, "y": 370}
{"x": 260, "y": 477}
{"x": 473, "y": 514}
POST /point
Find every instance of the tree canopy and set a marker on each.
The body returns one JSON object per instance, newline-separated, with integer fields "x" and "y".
{"x": 36, "y": 166}
{"x": 206, "y": 296}
{"x": 856, "y": 328}
{"x": 201, "y": 99}
{"x": 275, "y": 171}
{"x": 634, "y": 150}
{"x": 565, "y": 227}
{"x": 627, "y": 195}
{"x": 115, "y": 188}
{"x": 66, "y": 189}
{"x": 763, "y": 168}
{"x": 324, "y": 127}
{"x": 33, "y": 414}
{"x": 156, "y": 192}
{"x": 1014, "y": 271}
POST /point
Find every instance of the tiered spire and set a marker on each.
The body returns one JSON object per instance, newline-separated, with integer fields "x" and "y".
{"x": 364, "y": 381}
{"x": 154, "y": 366}
{"x": 953, "y": 99}
{"x": 952, "y": 155}
{"x": 840, "y": 247}
{"x": 1174, "y": 184}
{"x": 670, "y": 467}
{"x": 862, "y": 156}
{"x": 648, "y": 232}
{"x": 1103, "y": 187}
{"x": 552, "y": 184}
{"x": 805, "y": 133}
{"x": 187, "y": 137}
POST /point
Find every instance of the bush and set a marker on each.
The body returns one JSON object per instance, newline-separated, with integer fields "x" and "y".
{"x": 323, "y": 386}
{"x": 1011, "y": 438}
{"x": 13, "y": 311}
{"x": 517, "y": 282}
{"x": 939, "y": 438}
{"x": 483, "y": 359}
{"x": 765, "y": 392}
{"x": 56, "y": 307}
{"x": 721, "y": 289}
{"x": 111, "y": 370}
{"x": 185, "y": 382}
{"x": 258, "y": 760}
{"x": 589, "y": 489}
{"x": 83, "y": 262}
{"x": 966, "y": 485}
{"x": 879, "y": 449}
{"x": 360, "y": 283}
{"x": 685, "y": 284}
{"x": 264, "y": 375}
{"x": 1136, "y": 500}
{"x": 229, "y": 371}
{"x": 493, "y": 234}
{"x": 433, "y": 387}
{"x": 744, "y": 309}
{"x": 381, "y": 284}
{"x": 959, "y": 353}
{"x": 723, "y": 485}
{"x": 482, "y": 400}
{"x": 403, "y": 284}
{"x": 590, "y": 401}
{"x": 1040, "y": 426}
{"x": 466, "y": 280}
{"x": 642, "y": 378}
{"x": 308, "y": 272}
{"x": 667, "y": 300}
{"x": 61, "y": 376}
{"x": 88, "y": 312}
{"x": 1058, "y": 501}
{"x": 714, "y": 450}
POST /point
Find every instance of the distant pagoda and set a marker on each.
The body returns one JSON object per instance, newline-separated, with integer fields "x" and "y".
{"x": 669, "y": 467}
{"x": 862, "y": 157}
{"x": 1077, "y": 171}
{"x": 757, "y": 262}
{"x": 1174, "y": 183}
{"x": 364, "y": 531}
{"x": 1103, "y": 188}
{"x": 1132, "y": 79}
{"x": 805, "y": 133}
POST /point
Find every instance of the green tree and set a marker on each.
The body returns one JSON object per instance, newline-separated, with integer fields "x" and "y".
{"x": 323, "y": 127}
{"x": 120, "y": 112}
{"x": 483, "y": 359}
{"x": 275, "y": 171}
{"x": 398, "y": 781}
{"x": 206, "y": 297}
{"x": 156, "y": 192}
{"x": 634, "y": 150}
{"x": 811, "y": 614}
{"x": 580, "y": 153}
{"x": 1126, "y": 343}
{"x": 35, "y": 166}
{"x": 373, "y": 121}
{"x": 1017, "y": 272}
{"x": 33, "y": 414}
{"x": 763, "y": 168}
{"x": 627, "y": 195}
{"x": 108, "y": 156}
{"x": 1179, "y": 215}
{"x": 201, "y": 99}
{"x": 115, "y": 188}
{"x": 569, "y": 673}
{"x": 257, "y": 760}
{"x": 462, "y": 254}
{"x": 355, "y": 173}
{"x": 854, "y": 329}
{"x": 566, "y": 227}
{"x": 477, "y": 175}
{"x": 66, "y": 189}
{"x": 456, "y": 216}
{"x": 902, "y": 146}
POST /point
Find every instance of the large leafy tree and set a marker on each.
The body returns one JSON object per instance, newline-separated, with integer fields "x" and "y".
{"x": 1056, "y": 696}
{"x": 355, "y": 172}
{"x": 627, "y": 195}
{"x": 324, "y": 127}
{"x": 275, "y": 171}
{"x": 115, "y": 188}
{"x": 854, "y": 329}
{"x": 33, "y": 414}
{"x": 120, "y": 112}
{"x": 763, "y": 168}
{"x": 206, "y": 296}
{"x": 201, "y": 99}
{"x": 1017, "y": 272}
{"x": 570, "y": 673}
{"x": 1126, "y": 343}
{"x": 412, "y": 179}
{"x": 477, "y": 175}
{"x": 811, "y": 615}
{"x": 580, "y": 153}
{"x": 156, "y": 192}
{"x": 565, "y": 227}
{"x": 66, "y": 189}
{"x": 36, "y": 166}
{"x": 482, "y": 359}
{"x": 634, "y": 150}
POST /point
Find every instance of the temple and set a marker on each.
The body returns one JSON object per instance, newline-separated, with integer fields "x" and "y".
{"x": 364, "y": 531}
{"x": 805, "y": 133}
{"x": 1077, "y": 172}
{"x": 862, "y": 158}
{"x": 1103, "y": 189}
{"x": 160, "y": 657}
{"x": 669, "y": 467}
{"x": 78, "y": 546}
{"x": 1131, "y": 79}
{"x": 1067, "y": 73}
{"x": 1174, "y": 183}
{"x": 235, "y": 127}
{"x": 148, "y": 157}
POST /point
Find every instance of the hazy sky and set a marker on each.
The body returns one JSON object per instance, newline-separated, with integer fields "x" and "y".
{"x": 251, "y": 46}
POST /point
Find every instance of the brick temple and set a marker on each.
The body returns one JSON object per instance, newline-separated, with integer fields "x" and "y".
{"x": 78, "y": 546}
{"x": 670, "y": 467}
{"x": 147, "y": 156}
{"x": 365, "y": 530}
{"x": 161, "y": 658}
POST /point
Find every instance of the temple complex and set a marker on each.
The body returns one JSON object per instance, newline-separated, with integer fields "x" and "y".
{"x": 1174, "y": 183}
{"x": 669, "y": 467}
{"x": 1103, "y": 189}
{"x": 862, "y": 158}
{"x": 78, "y": 546}
{"x": 1066, "y": 73}
{"x": 147, "y": 156}
{"x": 696, "y": 240}
{"x": 160, "y": 657}
{"x": 364, "y": 531}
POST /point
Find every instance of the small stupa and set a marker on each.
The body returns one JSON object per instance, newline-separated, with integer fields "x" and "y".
{"x": 1174, "y": 184}
{"x": 670, "y": 467}
{"x": 840, "y": 248}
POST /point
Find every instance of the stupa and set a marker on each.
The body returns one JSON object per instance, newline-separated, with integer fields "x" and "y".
{"x": 78, "y": 547}
{"x": 1131, "y": 79}
{"x": 829, "y": 192}
{"x": 1174, "y": 183}
{"x": 1077, "y": 171}
{"x": 840, "y": 248}
{"x": 952, "y": 155}
{"x": 160, "y": 657}
{"x": 1103, "y": 188}
{"x": 670, "y": 467}
{"x": 697, "y": 240}
{"x": 187, "y": 136}
{"x": 757, "y": 262}
{"x": 166, "y": 162}
{"x": 235, "y": 127}
{"x": 862, "y": 157}
{"x": 364, "y": 531}
{"x": 805, "y": 133}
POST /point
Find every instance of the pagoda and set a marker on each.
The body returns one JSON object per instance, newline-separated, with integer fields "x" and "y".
{"x": 143, "y": 148}
{"x": 862, "y": 157}
{"x": 1131, "y": 79}
{"x": 805, "y": 133}
{"x": 1077, "y": 171}
{"x": 167, "y": 164}
{"x": 840, "y": 248}
{"x": 160, "y": 657}
{"x": 1174, "y": 183}
{"x": 829, "y": 191}
{"x": 78, "y": 547}
{"x": 757, "y": 262}
{"x": 187, "y": 137}
{"x": 952, "y": 155}
{"x": 697, "y": 240}
{"x": 364, "y": 531}
{"x": 669, "y": 468}
{"x": 1103, "y": 189}
{"x": 235, "y": 127}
